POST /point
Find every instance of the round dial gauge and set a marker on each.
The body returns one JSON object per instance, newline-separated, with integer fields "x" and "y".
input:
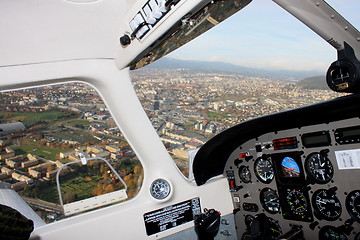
{"x": 245, "y": 174}
{"x": 264, "y": 170}
{"x": 160, "y": 189}
{"x": 270, "y": 200}
{"x": 331, "y": 233}
{"x": 326, "y": 205}
{"x": 296, "y": 201}
{"x": 319, "y": 168}
{"x": 352, "y": 203}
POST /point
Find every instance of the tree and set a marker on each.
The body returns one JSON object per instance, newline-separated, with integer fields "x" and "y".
{"x": 108, "y": 189}
{"x": 50, "y": 168}
{"x": 69, "y": 197}
{"x": 138, "y": 169}
{"x": 102, "y": 169}
{"x": 185, "y": 172}
{"x": 105, "y": 175}
{"x": 8, "y": 115}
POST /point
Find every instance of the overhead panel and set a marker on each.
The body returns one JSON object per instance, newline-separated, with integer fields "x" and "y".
{"x": 158, "y": 27}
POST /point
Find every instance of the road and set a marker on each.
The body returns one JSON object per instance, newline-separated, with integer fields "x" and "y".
{"x": 47, "y": 206}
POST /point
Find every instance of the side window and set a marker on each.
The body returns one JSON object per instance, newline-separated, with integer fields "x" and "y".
{"x": 49, "y": 128}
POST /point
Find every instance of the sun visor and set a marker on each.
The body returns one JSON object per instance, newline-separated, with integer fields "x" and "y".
{"x": 158, "y": 27}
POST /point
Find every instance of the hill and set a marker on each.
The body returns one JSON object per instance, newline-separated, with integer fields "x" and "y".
{"x": 318, "y": 82}
{"x": 206, "y": 66}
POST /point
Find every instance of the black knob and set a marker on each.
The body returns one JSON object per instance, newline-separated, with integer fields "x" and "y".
{"x": 313, "y": 225}
{"x": 125, "y": 40}
{"x": 207, "y": 224}
{"x": 237, "y": 161}
{"x": 332, "y": 191}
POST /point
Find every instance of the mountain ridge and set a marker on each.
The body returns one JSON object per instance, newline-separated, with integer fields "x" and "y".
{"x": 207, "y": 66}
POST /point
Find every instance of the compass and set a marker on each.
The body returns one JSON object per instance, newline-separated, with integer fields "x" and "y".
{"x": 160, "y": 189}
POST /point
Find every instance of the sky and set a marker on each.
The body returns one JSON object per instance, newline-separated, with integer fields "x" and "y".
{"x": 263, "y": 35}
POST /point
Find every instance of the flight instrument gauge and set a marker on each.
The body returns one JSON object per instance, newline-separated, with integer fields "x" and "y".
{"x": 264, "y": 170}
{"x": 270, "y": 200}
{"x": 290, "y": 168}
{"x": 296, "y": 201}
{"x": 352, "y": 203}
{"x": 319, "y": 168}
{"x": 245, "y": 174}
{"x": 331, "y": 233}
{"x": 326, "y": 205}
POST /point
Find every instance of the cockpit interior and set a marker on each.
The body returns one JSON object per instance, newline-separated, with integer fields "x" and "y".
{"x": 291, "y": 174}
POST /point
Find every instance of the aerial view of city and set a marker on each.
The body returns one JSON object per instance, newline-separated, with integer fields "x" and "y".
{"x": 42, "y": 129}
{"x": 187, "y": 108}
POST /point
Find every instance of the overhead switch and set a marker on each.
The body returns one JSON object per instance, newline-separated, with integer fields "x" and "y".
{"x": 149, "y": 15}
{"x": 139, "y": 26}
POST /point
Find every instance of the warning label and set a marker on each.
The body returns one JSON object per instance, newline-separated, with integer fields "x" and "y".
{"x": 348, "y": 159}
{"x": 171, "y": 216}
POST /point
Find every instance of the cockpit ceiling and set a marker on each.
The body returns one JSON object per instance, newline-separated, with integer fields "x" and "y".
{"x": 57, "y": 30}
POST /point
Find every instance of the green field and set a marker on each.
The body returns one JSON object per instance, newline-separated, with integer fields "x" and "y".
{"x": 215, "y": 115}
{"x": 44, "y": 152}
{"x": 30, "y": 118}
{"x": 77, "y": 122}
{"x": 79, "y": 186}
{"x": 83, "y": 189}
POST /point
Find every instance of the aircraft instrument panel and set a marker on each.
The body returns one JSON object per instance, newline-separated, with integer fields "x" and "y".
{"x": 302, "y": 179}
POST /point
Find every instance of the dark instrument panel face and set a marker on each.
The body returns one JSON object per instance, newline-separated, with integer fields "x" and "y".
{"x": 306, "y": 177}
